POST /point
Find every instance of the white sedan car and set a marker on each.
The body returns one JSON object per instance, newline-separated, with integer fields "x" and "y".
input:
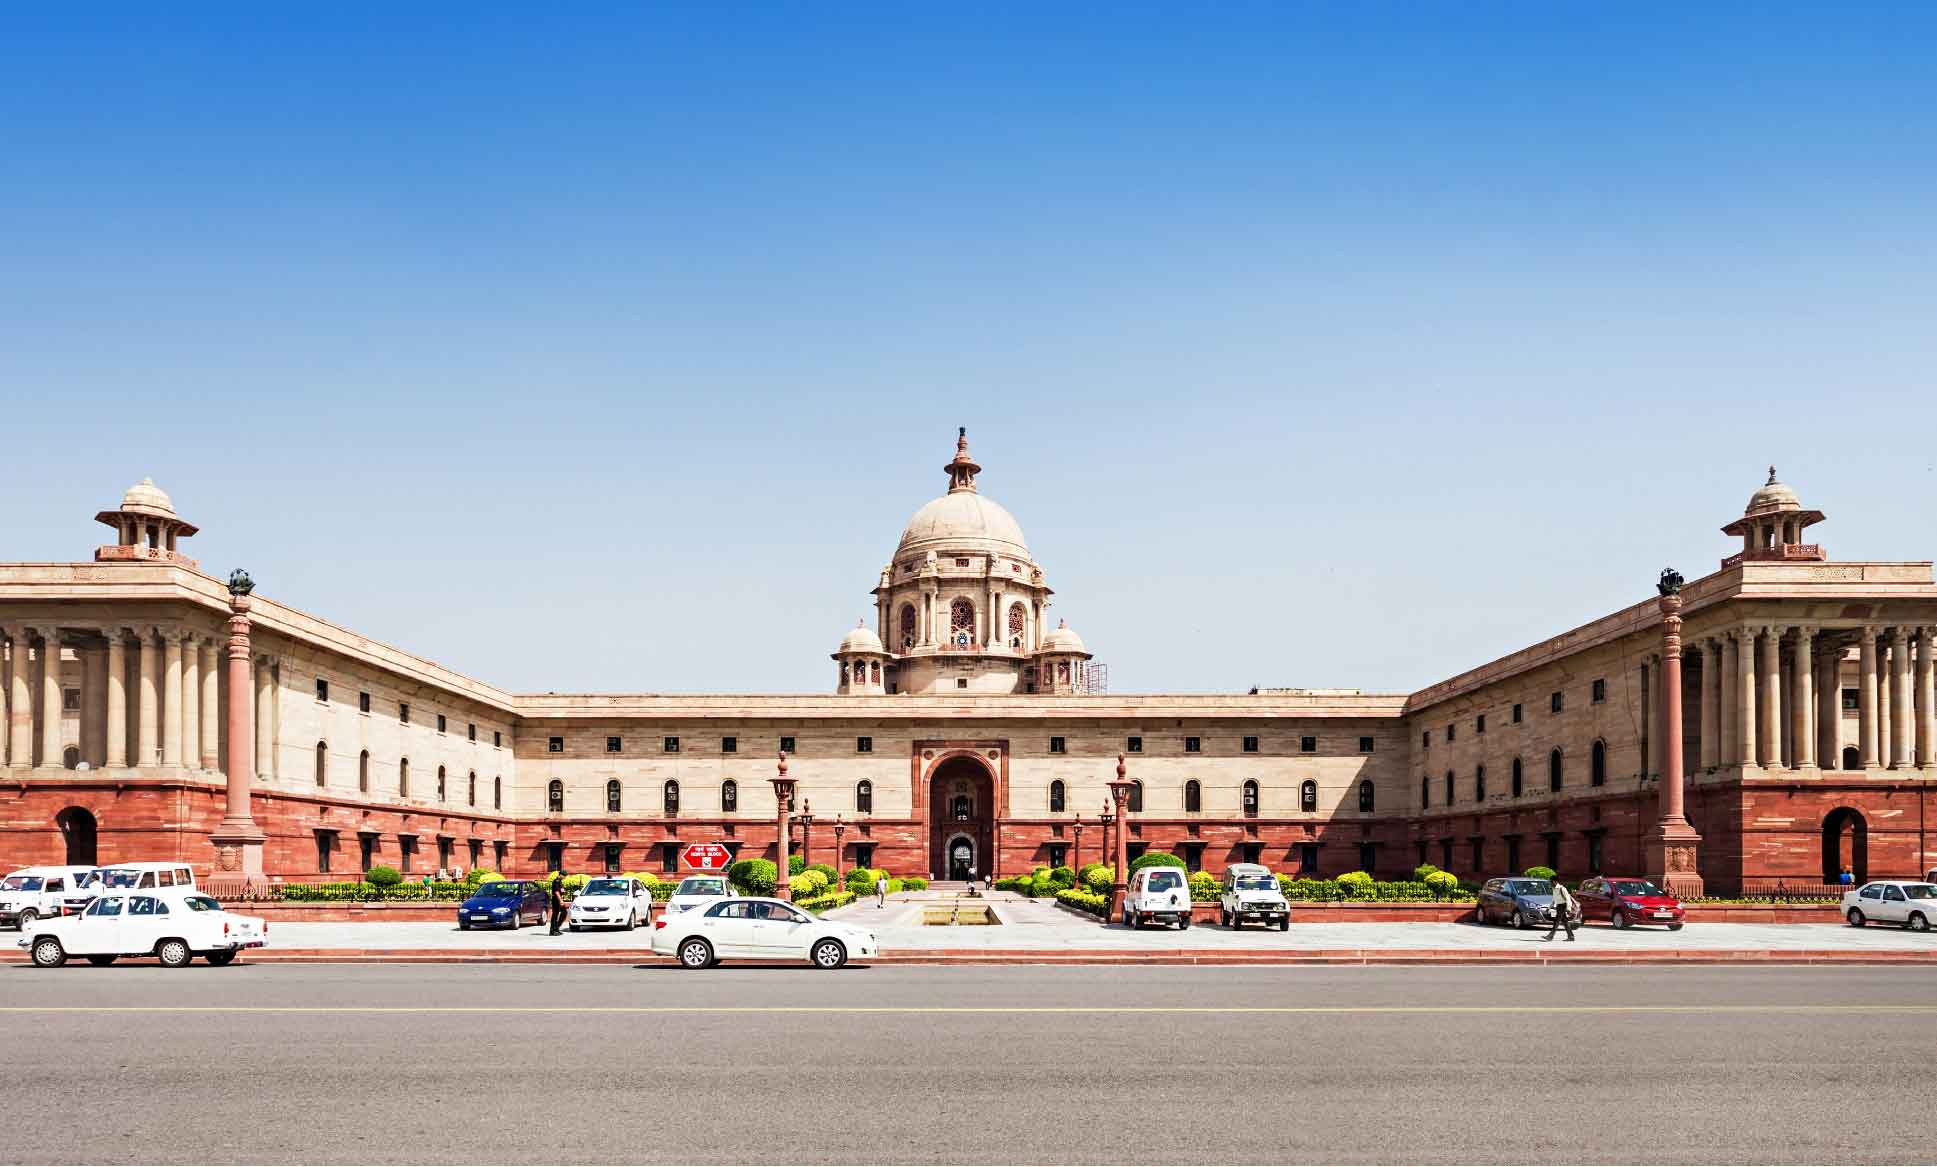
{"x": 174, "y": 925}
{"x": 697, "y": 891}
{"x": 611, "y": 902}
{"x": 758, "y": 929}
{"x": 1889, "y": 901}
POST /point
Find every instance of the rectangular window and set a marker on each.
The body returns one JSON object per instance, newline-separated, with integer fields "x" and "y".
{"x": 363, "y": 702}
{"x": 1134, "y": 851}
{"x": 1851, "y": 700}
{"x": 324, "y": 841}
{"x": 1479, "y": 724}
{"x": 1307, "y": 745}
{"x": 1478, "y": 845}
{"x": 476, "y": 847}
{"x": 1554, "y": 703}
{"x": 1193, "y": 745}
{"x": 1425, "y": 739}
{"x": 557, "y": 861}
{"x": 1365, "y": 745}
{"x": 612, "y": 866}
{"x": 1134, "y": 745}
{"x": 500, "y": 851}
{"x": 864, "y": 745}
{"x": 787, "y": 744}
{"x": 1553, "y": 852}
{"x": 613, "y": 745}
{"x": 441, "y": 723}
{"x": 322, "y": 689}
{"x": 1058, "y": 746}
{"x": 1252, "y": 852}
{"x": 497, "y": 739}
{"x": 1449, "y": 733}
{"x": 1516, "y": 715}
{"x": 403, "y": 713}
{"x": 471, "y": 730}
{"x": 1058, "y": 854}
{"x": 1308, "y": 858}
{"x": 864, "y": 854}
{"x": 444, "y": 855}
{"x": 1513, "y": 855}
{"x": 669, "y": 858}
{"x": 1193, "y": 855}
{"x": 70, "y": 700}
{"x": 1597, "y": 692}
{"x": 555, "y": 745}
{"x": 729, "y": 745}
{"x": 1250, "y": 745}
{"x": 1594, "y": 853}
{"x": 366, "y": 845}
{"x": 671, "y": 745}
{"x": 406, "y": 851}
{"x": 1368, "y": 857}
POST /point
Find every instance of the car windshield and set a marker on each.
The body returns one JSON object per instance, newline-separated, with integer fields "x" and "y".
{"x": 1527, "y": 887}
{"x": 119, "y": 877}
{"x": 1256, "y": 883}
{"x": 1920, "y": 891}
{"x": 1165, "y": 880}
{"x": 20, "y": 883}
{"x": 1635, "y": 887}
{"x": 696, "y": 886}
{"x": 201, "y": 904}
{"x": 495, "y": 888}
{"x": 605, "y": 887}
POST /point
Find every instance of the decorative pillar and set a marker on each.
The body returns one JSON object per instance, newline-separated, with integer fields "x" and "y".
{"x": 783, "y": 793}
{"x": 1829, "y": 709}
{"x": 51, "y": 716}
{"x": 117, "y": 699}
{"x": 1711, "y": 704}
{"x": 1731, "y": 685}
{"x": 191, "y": 701}
{"x": 1803, "y": 701}
{"x": 211, "y": 700}
{"x": 1672, "y": 846}
{"x": 94, "y": 745}
{"x": 171, "y": 713}
{"x": 238, "y": 841}
{"x": 1770, "y": 753}
{"x": 265, "y": 718}
{"x": 1120, "y": 796}
{"x": 1745, "y": 693}
{"x": 1866, "y": 700}
{"x": 20, "y": 703}
{"x": 147, "y": 746}
{"x": 1926, "y": 696}
{"x": 1899, "y": 698}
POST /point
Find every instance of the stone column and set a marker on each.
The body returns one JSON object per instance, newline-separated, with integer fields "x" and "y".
{"x": 51, "y": 716}
{"x": 1769, "y": 752}
{"x": 1120, "y": 797}
{"x": 93, "y": 706}
{"x": 117, "y": 699}
{"x": 1829, "y": 709}
{"x": 147, "y": 746}
{"x": 1671, "y": 846}
{"x": 1899, "y": 697}
{"x": 1711, "y": 704}
{"x": 783, "y": 793}
{"x": 20, "y": 703}
{"x": 171, "y": 688}
{"x": 1730, "y": 681}
{"x": 264, "y": 752}
{"x": 238, "y": 841}
{"x": 1745, "y": 678}
{"x": 211, "y": 700}
{"x": 1926, "y": 696}
{"x": 191, "y": 718}
{"x": 1803, "y": 728}
{"x": 1866, "y": 700}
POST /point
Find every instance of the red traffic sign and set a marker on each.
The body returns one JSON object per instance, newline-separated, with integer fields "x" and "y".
{"x": 706, "y": 856}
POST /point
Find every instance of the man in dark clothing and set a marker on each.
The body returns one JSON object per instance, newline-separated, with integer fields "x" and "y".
{"x": 558, "y": 901}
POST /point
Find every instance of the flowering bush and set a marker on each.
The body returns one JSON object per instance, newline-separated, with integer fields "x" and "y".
{"x": 754, "y": 877}
{"x": 821, "y": 903}
{"x": 1204, "y": 887}
{"x": 1083, "y": 901}
{"x": 1442, "y": 883}
{"x": 1098, "y": 877}
{"x": 807, "y": 885}
{"x": 1355, "y": 880}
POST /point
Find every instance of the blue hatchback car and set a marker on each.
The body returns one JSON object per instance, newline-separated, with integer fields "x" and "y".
{"x": 503, "y": 903}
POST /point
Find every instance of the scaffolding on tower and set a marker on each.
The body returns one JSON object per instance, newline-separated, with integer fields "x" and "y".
{"x": 1092, "y": 677}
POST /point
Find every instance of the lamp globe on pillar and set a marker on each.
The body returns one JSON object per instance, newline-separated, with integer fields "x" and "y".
{"x": 1120, "y": 795}
{"x": 783, "y": 796}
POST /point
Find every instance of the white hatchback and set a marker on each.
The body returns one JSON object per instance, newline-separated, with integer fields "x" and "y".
{"x": 761, "y": 929}
{"x": 1913, "y": 905}
{"x": 174, "y": 926}
{"x": 617, "y": 901}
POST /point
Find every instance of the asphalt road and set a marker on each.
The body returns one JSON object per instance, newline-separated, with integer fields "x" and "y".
{"x": 459, "y": 1064}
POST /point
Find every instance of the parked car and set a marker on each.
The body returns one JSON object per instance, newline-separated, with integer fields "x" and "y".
{"x": 1157, "y": 894}
{"x": 612, "y": 902}
{"x": 174, "y": 925}
{"x": 1889, "y": 901}
{"x": 1518, "y": 901}
{"x": 504, "y": 903}
{"x": 35, "y": 893}
{"x": 1625, "y": 900}
{"x": 696, "y": 891}
{"x": 1251, "y": 893}
{"x": 761, "y": 929}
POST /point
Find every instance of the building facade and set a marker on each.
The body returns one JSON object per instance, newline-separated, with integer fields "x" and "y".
{"x": 153, "y": 712}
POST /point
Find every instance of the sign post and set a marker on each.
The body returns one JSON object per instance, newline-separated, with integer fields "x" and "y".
{"x": 705, "y": 856}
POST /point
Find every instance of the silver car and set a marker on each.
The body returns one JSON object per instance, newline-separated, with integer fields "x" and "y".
{"x": 1890, "y": 901}
{"x": 1522, "y": 902}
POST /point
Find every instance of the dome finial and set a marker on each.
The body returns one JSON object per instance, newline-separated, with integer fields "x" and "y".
{"x": 962, "y": 468}
{"x": 1772, "y": 476}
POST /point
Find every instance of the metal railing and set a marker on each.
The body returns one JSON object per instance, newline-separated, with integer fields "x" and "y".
{"x": 1785, "y": 891}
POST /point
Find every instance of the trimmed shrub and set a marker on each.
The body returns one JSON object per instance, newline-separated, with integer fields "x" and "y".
{"x": 477, "y": 877}
{"x": 1204, "y": 887}
{"x": 1155, "y": 859}
{"x": 1007, "y": 883}
{"x": 1442, "y": 883}
{"x": 796, "y": 864}
{"x": 1420, "y": 872}
{"x": 1098, "y": 877}
{"x": 913, "y": 882}
{"x": 1063, "y": 876}
{"x": 821, "y": 903}
{"x": 1083, "y": 901}
{"x": 1083, "y": 873}
{"x": 1039, "y": 873}
{"x": 1357, "y": 882}
{"x": 382, "y": 876}
{"x": 756, "y": 877}
{"x": 1539, "y": 872}
{"x": 859, "y": 880}
{"x": 808, "y": 885}
{"x": 833, "y": 876}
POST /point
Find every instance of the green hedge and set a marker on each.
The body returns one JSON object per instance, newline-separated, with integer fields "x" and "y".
{"x": 353, "y": 891}
{"x": 1155, "y": 859}
{"x": 822, "y": 903}
{"x": 1205, "y": 887}
{"x": 383, "y": 876}
{"x": 1321, "y": 890}
{"x": 754, "y": 877}
{"x": 1084, "y": 901}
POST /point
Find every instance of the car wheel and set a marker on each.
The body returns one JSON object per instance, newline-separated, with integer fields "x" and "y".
{"x": 517, "y": 919}
{"x": 571, "y": 927}
{"x": 1284, "y": 925}
{"x": 1856, "y": 918}
{"x": 463, "y": 925}
{"x": 48, "y": 953}
{"x": 1917, "y": 923}
{"x": 173, "y": 953}
{"x": 631, "y": 922}
{"x": 100, "y": 961}
{"x": 1519, "y": 920}
{"x": 27, "y": 919}
{"x": 695, "y": 953}
{"x": 1675, "y": 927}
{"x": 1619, "y": 919}
{"x": 829, "y": 954}
{"x": 1223, "y": 918}
{"x": 1183, "y": 922}
{"x": 218, "y": 959}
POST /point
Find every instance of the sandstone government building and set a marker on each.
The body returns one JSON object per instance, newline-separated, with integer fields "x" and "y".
{"x": 150, "y": 713}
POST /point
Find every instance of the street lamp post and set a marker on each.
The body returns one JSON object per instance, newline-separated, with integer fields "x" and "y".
{"x": 806, "y": 818}
{"x": 1078, "y": 830}
{"x": 1120, "y": 795}
{"x": 783, "y": 796}
{"x": 840, "y": 849}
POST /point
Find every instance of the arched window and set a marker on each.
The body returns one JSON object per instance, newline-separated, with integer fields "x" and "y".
{"x": 1307, "y": 796}
{"x": 864, "y": 797}
{"x": 959, "y": 808}
{"x": 1136, "y": 797}
{"x": 961, "y": 618}
{"x": 1597, "y": 765}
{"x": 1248, "y": 796}
{"x": 322, "y": 763}
{"x": 471, "y": 790}
{"x": 1479, "y": 784}
{"x": 860, "y": 672}
{"x": 440, "y": 784}
{"x": 555, "y": 796}
{"x": 730, "y": 796}
{"x": 497, "y": 792}
{"x": 1449, "y": 788}
{"x": 874, "y": 669}
{"x": 363, "y": 771}
{"x": 1365, "y": 796}
{"x": 908, "y": 629}
{"x": 1193, "y": 796}
{"x": 1058, "y": 793}
{"x": 1018, "y": 622}
{"x": 1517, "y": 789}
{"x": 672, "y": 796}
{"x": 403, "y": 778}
{"x": 1553, "y": 770}
{"x": 1425, "y": 794}
{"x": 612, "y": 796}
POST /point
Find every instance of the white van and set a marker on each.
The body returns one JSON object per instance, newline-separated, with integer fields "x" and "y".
{"x": 37, "y": 893}
{"x": 1251, "y": 893}
{"x": 129, "y": 877}
{"x": 1157, "y": 893}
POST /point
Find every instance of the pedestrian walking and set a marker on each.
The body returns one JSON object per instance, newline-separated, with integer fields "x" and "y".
{"x": 426, "y": 885}
{"x": 1563, "y": 912}
{"x": 1846, "y": 877}
{"x": 557, "y": 901}
{"x": 880, "y": 891}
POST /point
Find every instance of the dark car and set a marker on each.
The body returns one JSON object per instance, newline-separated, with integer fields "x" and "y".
{"x": 504, "y": 903}
{"x": 1520, "y": 901}
{"x": 1624, "y": 900}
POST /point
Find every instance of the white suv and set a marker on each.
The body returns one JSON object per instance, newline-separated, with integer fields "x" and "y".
{"x": 37, "y": 893}
{"x": 1157, "y": 894}
{"x": 1251, "y": 893}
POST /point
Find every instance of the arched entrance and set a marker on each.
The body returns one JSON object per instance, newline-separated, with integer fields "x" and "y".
{"x": 78, "y": 829}
{"x": 1846, "y": 843}
{"x": 961, "y": 813}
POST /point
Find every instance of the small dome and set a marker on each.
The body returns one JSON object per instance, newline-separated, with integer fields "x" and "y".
{"x": 862, "y": 639}
{"x": 964, "y": 520}
{"x": 1773, "y": 496}
{"x": 146, "y": 497}
{"x": 1063, "y": 639}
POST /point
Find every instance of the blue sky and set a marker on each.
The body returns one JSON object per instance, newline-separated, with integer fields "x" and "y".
{"x": 1332, "y": 345}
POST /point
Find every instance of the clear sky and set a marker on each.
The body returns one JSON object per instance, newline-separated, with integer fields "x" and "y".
{"x": 1329, "y": 345}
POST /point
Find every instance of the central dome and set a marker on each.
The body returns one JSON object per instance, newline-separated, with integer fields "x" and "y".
{"x": 963, "y": 520}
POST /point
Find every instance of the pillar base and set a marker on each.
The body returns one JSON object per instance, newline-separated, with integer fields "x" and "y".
{"x": 1672, "y": 850}
{"x": 238, "y": 850}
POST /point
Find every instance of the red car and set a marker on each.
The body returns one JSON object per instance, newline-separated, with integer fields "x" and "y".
{"x": 1624, "y": 901}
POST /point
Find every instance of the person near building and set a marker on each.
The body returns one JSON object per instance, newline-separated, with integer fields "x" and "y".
{"x": 880, "y": 891}
{"x": 1846, "y": 877}
{"x": 1564, "y": 909}
{"x": 557, "y": 900}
